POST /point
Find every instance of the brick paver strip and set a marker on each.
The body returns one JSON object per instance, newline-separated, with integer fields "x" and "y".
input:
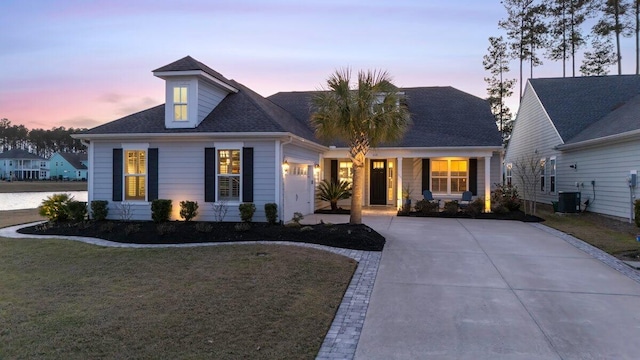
{"x": 343, "y": 335}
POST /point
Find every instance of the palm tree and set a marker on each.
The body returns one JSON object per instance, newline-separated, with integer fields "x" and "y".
{"x": 362, "y": 117}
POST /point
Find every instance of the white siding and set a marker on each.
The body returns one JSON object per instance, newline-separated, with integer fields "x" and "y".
{"x": 609, "y": 167}
{"x": 533, "y": 131}
{"x": 208, "y": 98}
{"x": 300, "y": 153}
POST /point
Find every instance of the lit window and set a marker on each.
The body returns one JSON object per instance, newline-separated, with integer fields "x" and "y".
{"x": 345, "y": 172}
{"x": 552, "y": 175}
{"x": 135, "y": 171}
{"x": 449, "y": 176}
{"x": 509, "y": 174}
{"x": 229, "y": 175}
{"x": 180, "y": 103}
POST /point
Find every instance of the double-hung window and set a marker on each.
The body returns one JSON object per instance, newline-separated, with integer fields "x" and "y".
{"x": 135, "y": 175}
{"x": 449, "y": 176}
{"x": 180, "y": 108}
{"x": 552, "y": 174}
{"x": 229, "y": 174}
{"x": 508, "y": 174}
{"x": 542, "y": 175}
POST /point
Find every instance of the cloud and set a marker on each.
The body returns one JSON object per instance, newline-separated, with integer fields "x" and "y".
{"x": 136, "y": 105}
{"x": 80, "y": 122}
{"x": 112, "y": 98}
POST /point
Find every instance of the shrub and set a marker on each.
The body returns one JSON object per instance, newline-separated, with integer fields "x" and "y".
{"x": 160, "y": 210}
{"x": 333, "y": 192}
{"x": 475, "y": 207}
{"x": 451, "y": 207}
{"x": 243, "y": 226}
{"x": 204, "y": 227}
{"x": 54, "y": 207}
{"x": 131, "y": 229}
{"x": 125, "y": 211}
{"x": 107, "y": 227}
{"x": 77, "y": 210}
{"x": 637, "y": 212}
{"x": 297, "y": 217}
{"x": 188, "y": 210}
{"x": 271, "y": 211}
{"x": 220, "y": 210}
{"x": 426, "y": 206}
{"x": 246, "y": 211}
{"x": 506, "y": 196}
{"x": 165, "y": 228}
{"x": 99, "y": 209}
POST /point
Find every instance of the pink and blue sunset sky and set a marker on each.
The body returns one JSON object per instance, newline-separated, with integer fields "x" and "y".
{"x": 81, "y": 63}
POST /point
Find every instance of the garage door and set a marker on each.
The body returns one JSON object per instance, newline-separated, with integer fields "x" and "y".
{"x": 297, "y": 191}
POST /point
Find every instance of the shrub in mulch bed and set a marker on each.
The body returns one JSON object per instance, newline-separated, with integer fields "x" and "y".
{"x": 357, "y": 237}
{"x": 513, "y": 215}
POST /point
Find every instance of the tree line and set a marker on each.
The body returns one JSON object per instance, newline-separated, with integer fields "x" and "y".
{"x": 39, "y": 141}
{"x": 557, "y": 30}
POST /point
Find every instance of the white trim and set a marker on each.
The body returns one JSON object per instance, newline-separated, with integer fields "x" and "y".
{"x": 605, "y": 140}
{"x": 215, "y": 81}
{"x": 135, "y": 146}
{"x": 487, "y": 183}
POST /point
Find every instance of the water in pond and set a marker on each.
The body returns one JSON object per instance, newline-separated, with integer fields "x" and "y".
{"x": 31, "y": 200}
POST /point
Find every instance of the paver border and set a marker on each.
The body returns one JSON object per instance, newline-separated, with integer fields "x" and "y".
{"x": 600, "y": 255}
{"x": 344, "y": 333}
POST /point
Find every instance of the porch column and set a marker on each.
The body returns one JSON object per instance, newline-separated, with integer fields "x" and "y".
{"x": 487, "y": 184}
{"x": 399, "y": 183}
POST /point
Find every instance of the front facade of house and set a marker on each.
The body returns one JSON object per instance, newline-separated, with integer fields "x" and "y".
{"x": 18, "y": 164}
{"x": 219, "y": 143}
{"x": 585, "y": 134}
{"x": 68, "y": 166}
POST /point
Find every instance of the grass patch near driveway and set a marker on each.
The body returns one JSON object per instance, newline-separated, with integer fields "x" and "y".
{"x": 62, "y": 299}
{"x": 615, "y": 237}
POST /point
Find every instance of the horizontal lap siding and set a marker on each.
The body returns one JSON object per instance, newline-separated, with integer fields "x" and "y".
{"x": 102, "y": 174}
{"x": 264, "y": 176}
{"x": 208, "y": 98}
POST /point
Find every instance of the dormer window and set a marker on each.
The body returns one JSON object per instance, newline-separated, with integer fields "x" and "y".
{"x": 180, "y": 109}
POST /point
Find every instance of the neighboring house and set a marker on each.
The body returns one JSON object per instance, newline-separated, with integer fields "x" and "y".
{"x": 18, "y": 164}
{"x": 68, "y": 166}
{"x": 586, "y": 134}
{"x": 215, "y": 141}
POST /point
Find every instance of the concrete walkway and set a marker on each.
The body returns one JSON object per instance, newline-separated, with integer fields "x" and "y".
{"x": 482, "y": 289}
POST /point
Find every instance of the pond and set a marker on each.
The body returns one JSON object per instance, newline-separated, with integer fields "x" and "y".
{"x": 31, "y": 200}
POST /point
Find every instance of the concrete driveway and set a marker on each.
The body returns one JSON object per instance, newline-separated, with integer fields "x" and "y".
{"x": 482, "y": 289}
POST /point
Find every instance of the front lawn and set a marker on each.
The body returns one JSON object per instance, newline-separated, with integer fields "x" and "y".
{"x": 62, "y": 299}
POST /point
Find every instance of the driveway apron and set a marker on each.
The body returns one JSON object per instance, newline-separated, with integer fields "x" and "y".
{"x": 483, "y": 289}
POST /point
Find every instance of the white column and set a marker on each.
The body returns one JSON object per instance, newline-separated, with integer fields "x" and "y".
{"x": 399, "y": 183}
{"x": 487, "y": 184}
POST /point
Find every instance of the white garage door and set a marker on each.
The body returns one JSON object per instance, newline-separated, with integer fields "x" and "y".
{"x": 297, "y": 191}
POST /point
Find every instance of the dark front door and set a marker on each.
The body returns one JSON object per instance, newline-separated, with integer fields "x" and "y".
{"x": 378, "y": 182}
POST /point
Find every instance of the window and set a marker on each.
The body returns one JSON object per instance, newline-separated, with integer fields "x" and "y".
{"x": 552, "y": 174}
{"x": 449, "y": 176}
{"x": 509, "y": 174}
{"x": 135, "y": 171}
{"x": 228, "y": 175}
{"x": 345, "y": 171}
{"x": 180, "y": 103}
{"x": 542, "y": 184}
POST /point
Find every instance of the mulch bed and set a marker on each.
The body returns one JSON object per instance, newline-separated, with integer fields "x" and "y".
{"x": 357, "y": 237}
{"x": 513, "y": 215}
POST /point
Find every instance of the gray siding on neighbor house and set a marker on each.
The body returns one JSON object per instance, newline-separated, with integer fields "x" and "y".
{"x": 533, "y": 131}
{"x": 181, "y": 177}
{"x": 612, "y": 196}
{"x": 208, "y": 98}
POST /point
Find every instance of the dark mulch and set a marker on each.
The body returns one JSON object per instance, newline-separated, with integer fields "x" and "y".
{"x": 338, "y": 211}
{"x": 357, "y": 237}
{"x": 513, "y": 215}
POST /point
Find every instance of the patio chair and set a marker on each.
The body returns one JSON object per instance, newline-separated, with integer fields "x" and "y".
{"x": 428, "y": 195}
{"x": 467, "y": 197}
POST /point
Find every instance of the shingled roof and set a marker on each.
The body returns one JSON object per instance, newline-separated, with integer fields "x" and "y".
{"x": 584, "y": 108}
{"x": 188, "y": 63}
{"x": 20, "y": 154}
{"x": 75, "y": 159}
{"x": 441, "y": 117}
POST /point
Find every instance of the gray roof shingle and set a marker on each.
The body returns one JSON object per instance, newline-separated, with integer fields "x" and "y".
{"x": 576, "y": 104}
{"x": 75, "y": 159}
{"x": 188, "y": 63}
{"x": 20, "y": 154}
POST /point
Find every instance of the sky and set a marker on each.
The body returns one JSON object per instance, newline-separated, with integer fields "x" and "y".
{"x": 82, "y": 63}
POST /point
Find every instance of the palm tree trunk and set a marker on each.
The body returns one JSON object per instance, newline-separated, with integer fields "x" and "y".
{"x": 358, "y": 190}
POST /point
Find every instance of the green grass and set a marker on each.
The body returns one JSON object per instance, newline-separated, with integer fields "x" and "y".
{"x": 67, "y": 300}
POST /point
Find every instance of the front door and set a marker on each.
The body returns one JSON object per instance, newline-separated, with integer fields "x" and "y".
{"x": 378, "y": 182}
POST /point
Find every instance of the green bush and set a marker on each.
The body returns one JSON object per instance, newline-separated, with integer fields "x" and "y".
{"x": 161, "y": 210}
{"x": 271, "y": 211}
{"x": 451, "y": 207}
{"x": 637, "y": 211}
{"x": 54, "y": 207}
{"x": 99, "y": 209}
{"x": 475, "y": 207}
{"x": 426, "y": 206}
{"x": 188, "y": 210}
{"x": 77, "y": 210}
{"x": 297, "y": 217}
{"x": 505, "y": 196}
{"x": 333, "y": 192}
{"x": 246, "y": 211}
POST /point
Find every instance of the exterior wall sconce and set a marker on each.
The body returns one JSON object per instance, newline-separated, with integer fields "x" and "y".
{"x": 285, "y": 167}
{"x": 574, "y": 166}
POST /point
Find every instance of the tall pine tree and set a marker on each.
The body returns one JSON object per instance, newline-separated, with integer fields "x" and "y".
{"x": 565, "y": 29}
{"x": 611, "y": 23}
{"x": 496, "y": 61}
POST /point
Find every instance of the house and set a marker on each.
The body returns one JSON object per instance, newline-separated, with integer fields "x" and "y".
{"x": 19, "y": 164}
{"x": 586, "y": 134}
{"x": 217, "y": 142}
{"x": 68, "y": 166}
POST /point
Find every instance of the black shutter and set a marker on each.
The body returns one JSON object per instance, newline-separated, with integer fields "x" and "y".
{"x": 153, "y": 174}
{"x": 117, "y": 175}
{"x": 210, "y": 174}
{"x": 426, "y": 172}
{"x": 247, "y": 174}
{"x": 334, "y": 171}
{"x": 473, "y": 176}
